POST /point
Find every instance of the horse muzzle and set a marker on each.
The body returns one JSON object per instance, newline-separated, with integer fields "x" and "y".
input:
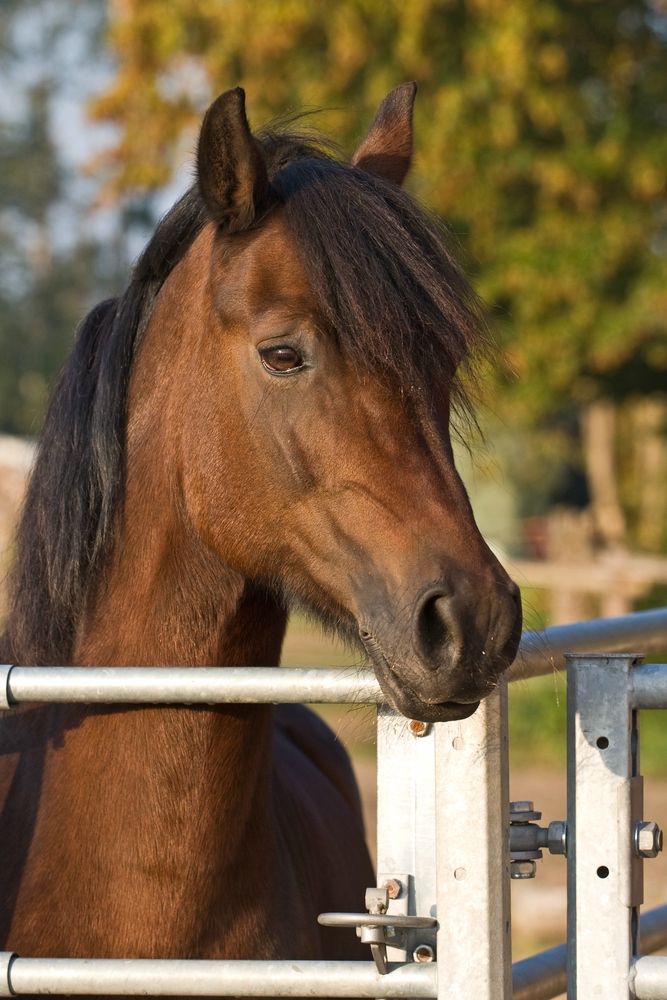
{"x": 437, "y": 663}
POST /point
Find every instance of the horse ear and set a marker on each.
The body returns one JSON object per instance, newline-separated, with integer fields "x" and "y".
{"x": 387, "y": 149}
{"x": 230, "y": 166}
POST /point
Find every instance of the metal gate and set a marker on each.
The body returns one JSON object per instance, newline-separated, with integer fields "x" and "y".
{"x": 447, "y": 842}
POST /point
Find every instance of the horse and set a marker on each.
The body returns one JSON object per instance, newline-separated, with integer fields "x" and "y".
{"x": 260, "y": 421}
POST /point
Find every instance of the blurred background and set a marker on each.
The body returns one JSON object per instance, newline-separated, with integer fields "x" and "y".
{"x": 541, "y": 140}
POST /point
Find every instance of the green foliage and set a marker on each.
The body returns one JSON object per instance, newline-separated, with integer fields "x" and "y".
{"x": 538, "y": 723}
{"x": 653, "y": 761}
{"x": 29, "y": 277}
{"x": 541, "y": 138}
{"x": 51, "y": 268}
{"x": 43, "y": 293}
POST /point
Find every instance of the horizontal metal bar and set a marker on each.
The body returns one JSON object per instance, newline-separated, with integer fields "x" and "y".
{"x": 539, "y": 653}
{"x": 165, "y": 977}
{"x": 192, "y": 685}
{"x": 541, "y": 976}
{"x": 544, "y": 975}
{"x": 650, "y": 972}
{"x": 542, "y": 652}
{"x": 653, "y": 930}
{"x": 537, "y": 978}
{"x": 648, "y": 977}
{"x": 649, "y": 681}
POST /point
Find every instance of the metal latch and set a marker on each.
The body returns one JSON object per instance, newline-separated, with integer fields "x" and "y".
{"x": 377, "y": 927}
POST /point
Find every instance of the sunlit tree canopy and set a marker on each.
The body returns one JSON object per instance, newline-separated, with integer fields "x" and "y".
{"x": 542, "y": 140}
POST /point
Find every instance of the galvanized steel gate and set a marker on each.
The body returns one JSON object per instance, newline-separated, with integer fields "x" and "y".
{"x": 443, "y": 835}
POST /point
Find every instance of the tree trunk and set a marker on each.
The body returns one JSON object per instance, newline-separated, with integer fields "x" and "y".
{"x": 649, "y": 419}
{"x": 598, "y": 428}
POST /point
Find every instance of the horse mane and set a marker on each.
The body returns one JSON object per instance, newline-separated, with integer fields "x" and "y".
{"x": 76, "y": 485}
{"x": 387, "y": 285}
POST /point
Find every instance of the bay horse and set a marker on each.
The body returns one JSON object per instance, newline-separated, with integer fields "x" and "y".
{"x": 261, "y": 419}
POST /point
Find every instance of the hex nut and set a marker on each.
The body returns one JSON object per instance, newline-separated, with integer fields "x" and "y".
{"x": 648, "y": 839}
{"x": 522, "y": 869}
{"x": 557, "y": 837}
{"x": 394, "y": 887}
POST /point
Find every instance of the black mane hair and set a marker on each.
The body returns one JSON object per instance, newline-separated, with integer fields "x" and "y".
{"x": 386, "y": 283}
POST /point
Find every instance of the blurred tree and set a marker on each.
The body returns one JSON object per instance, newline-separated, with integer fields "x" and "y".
{"x": 38, "y": 305}
{"x": 542, "y": 139}
{"x": 52, "y": 264}
{"x": 542, "y": 131}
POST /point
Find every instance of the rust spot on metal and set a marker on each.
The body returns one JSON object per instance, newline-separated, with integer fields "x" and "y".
{"x": 393, "y": 887}
{"x": 423, "y": 953}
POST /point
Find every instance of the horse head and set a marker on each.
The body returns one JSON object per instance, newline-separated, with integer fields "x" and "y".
{"x": 330, "y": 323}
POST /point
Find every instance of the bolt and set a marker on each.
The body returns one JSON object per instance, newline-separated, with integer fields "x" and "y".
{"x": 418, "y": 728}
{"x": 393, "y": 887}
{"x": 423, "y": 953}
{"x": 523, "y": 812}
{"x": 523, "y": 869}
{"x": 648, "y": 839}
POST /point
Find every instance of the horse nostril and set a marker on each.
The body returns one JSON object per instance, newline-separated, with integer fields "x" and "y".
{"x": 432, "y": 629}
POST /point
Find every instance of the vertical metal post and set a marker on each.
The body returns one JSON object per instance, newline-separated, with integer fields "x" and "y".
{"x": 472, "y": 796}
{"x": 406, "y": 823}
{"x": 604, "y": 803}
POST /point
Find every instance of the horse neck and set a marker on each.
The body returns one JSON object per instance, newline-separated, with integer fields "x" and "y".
{"x": 167, "y": 600}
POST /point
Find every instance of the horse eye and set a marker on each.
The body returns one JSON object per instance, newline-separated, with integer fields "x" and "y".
{"x": 281, "y": 359}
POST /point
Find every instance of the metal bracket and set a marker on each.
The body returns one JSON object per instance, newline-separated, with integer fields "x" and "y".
{"x": 377, "y": 928}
